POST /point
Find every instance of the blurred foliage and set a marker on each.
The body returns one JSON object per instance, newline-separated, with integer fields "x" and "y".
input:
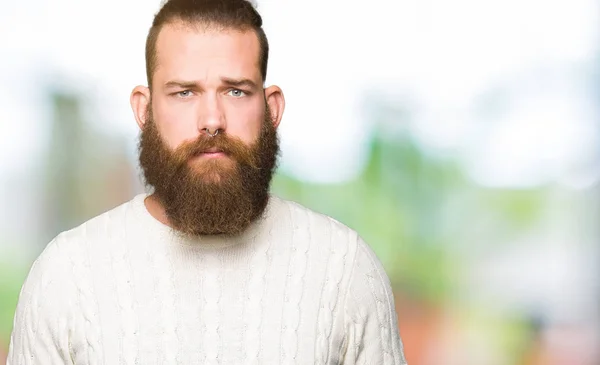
{"x": 12, "y": 277}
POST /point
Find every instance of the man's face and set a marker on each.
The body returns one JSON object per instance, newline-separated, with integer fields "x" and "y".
{"x": 208, "y": 185}
{"x": 207, "y": 78}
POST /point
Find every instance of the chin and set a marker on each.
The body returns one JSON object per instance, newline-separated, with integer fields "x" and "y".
{"x": 212, "y": 177}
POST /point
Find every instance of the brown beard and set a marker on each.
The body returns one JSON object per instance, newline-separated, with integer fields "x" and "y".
{"x": 203, "y": 196}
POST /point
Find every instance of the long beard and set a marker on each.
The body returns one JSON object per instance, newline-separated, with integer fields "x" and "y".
{"x": 210, "y": 196}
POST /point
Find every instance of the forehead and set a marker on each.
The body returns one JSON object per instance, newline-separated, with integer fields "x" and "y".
{"x": 200, "y": 53}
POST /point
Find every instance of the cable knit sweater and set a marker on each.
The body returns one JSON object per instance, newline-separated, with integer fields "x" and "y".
{"x": 297, "y": 287}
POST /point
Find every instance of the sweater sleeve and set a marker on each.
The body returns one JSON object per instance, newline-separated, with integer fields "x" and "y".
{"x": 371, "y": 321}
{"x": 42, "y": 325}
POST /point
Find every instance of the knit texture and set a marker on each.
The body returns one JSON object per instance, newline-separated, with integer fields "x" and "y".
{"x": 297, "y": 287}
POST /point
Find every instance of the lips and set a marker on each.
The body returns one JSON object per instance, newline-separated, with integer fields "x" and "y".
{"x": 208, "y": 152}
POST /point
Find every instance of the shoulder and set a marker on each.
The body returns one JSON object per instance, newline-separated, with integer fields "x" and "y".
{"x": 68, "y": 252}
{"x": 106, "y": 225}
{"x": 48, "y": 288}
{"x": 107, "y": 222}
{"x": 369, "y": 293}
{"x": 67, "y": 256}
{"x": 308, "y": 218}
{"x": 340, "y": 247}
{"x": 328, "y": 231}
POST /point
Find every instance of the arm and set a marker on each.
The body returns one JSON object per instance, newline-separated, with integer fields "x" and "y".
{"x": 371, "y": 321}
{"x": 41, "y": 326}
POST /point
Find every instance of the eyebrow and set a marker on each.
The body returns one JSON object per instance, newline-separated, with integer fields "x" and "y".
{"x": 239, "y": 82}
{"x": 226, "y": 80}
{"x": 181, "y": 84}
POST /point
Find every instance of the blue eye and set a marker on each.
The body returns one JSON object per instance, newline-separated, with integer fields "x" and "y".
{"x": 184, "y": 93}
{"x": 237, "y": 93}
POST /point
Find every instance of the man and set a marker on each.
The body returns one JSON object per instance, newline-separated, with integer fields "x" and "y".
{"x": 209, "y": 268}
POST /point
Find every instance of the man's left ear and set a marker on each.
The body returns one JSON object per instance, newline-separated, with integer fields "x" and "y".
{"x": 276, "y": 102}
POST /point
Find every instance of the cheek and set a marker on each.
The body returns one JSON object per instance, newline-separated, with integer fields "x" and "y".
{"x": 245, "y": 123}
{"x": 176, "y": 124}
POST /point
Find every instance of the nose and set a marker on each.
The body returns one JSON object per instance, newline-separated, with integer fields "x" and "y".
{"x": 211, "y": 118}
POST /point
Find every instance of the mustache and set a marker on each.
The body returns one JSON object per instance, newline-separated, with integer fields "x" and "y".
{"x": 222, "y": 142}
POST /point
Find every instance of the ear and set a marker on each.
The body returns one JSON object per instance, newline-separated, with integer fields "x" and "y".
{"x": 139, "y": 99}
{"x": 276, "y": 102}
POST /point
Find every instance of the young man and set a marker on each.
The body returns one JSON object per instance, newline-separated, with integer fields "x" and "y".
{"x": 210, "y": 268}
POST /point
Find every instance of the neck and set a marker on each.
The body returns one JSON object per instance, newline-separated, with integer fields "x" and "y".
{"x": 156, "y": 210}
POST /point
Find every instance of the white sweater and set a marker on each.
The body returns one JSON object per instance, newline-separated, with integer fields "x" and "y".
{"x": 297, "y": 288}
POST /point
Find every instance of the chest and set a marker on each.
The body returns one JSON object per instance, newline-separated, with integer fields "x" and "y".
{"x": 210, "y": 313}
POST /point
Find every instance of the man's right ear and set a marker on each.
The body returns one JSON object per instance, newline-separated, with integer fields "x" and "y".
{"x": 139, "y": 99}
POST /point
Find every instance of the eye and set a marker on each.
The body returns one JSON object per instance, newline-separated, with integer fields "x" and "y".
{"x": 236, "y": 93}
{"x": 184, "y": 93}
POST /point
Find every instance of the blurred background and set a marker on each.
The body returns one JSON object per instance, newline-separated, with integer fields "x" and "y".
{"x": 460, "y": 138}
